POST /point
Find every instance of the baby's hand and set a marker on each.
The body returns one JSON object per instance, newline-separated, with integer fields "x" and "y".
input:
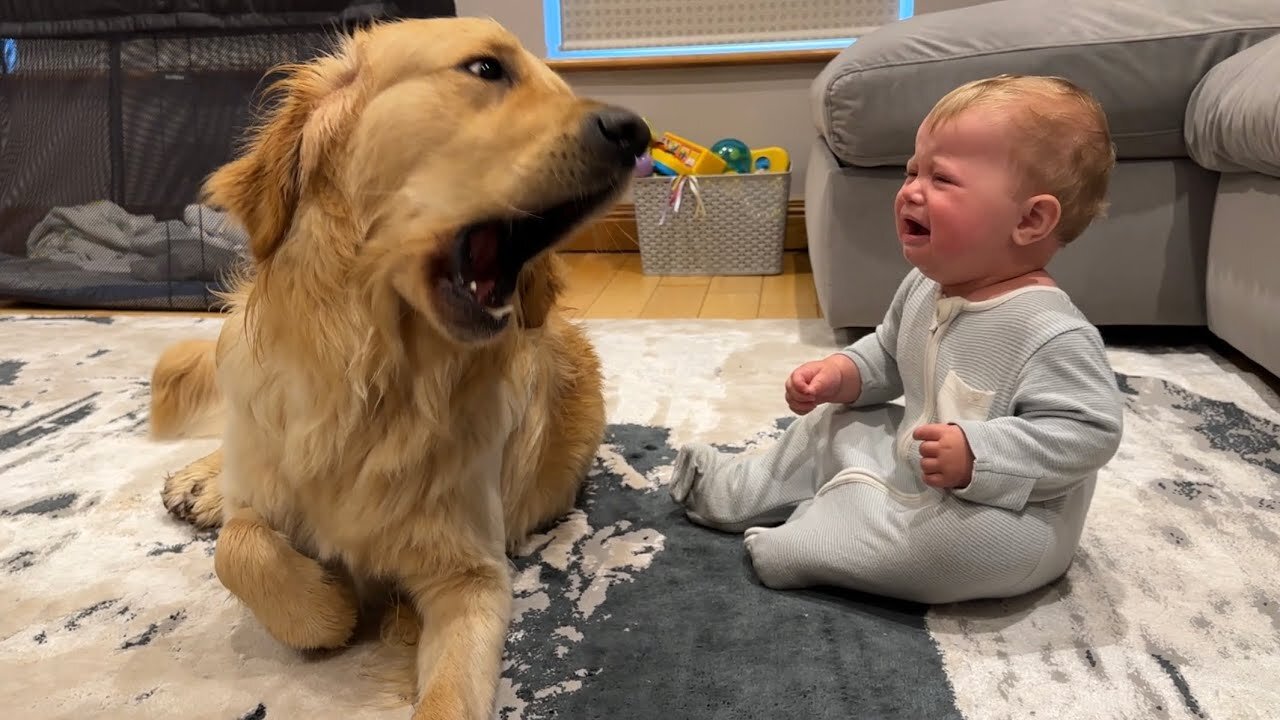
{"x": 945, "y": 457}
{"x": 812, "y": 384}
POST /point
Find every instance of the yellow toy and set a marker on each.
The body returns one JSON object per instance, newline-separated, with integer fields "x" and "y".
{"x": 770, "y": 159}
{"x": 674, "y": 155}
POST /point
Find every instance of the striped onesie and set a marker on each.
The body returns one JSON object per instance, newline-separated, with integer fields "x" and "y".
{"x": 1024, "y": 375}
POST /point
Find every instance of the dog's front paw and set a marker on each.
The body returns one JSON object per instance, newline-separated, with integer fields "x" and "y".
{"x": 441, "y": 704}
{"x": 192, "y": 494}
{"x": 401, "y": 625}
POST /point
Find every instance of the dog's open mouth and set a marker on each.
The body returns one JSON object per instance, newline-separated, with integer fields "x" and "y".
{"x": 475, "y": 284}
{"x": 479, "y": 266}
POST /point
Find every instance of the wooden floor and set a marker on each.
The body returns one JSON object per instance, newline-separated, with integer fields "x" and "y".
{"x": 613, "y": 285}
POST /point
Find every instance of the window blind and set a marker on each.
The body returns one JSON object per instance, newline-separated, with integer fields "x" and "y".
{"x": 613, "y": 24}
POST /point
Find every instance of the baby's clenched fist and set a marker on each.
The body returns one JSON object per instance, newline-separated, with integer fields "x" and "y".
{"x": 812, "y": 384}
{"x": 945, "y": 457}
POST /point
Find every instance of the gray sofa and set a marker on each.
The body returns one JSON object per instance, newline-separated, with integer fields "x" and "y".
{"x": 1192, "y": 93}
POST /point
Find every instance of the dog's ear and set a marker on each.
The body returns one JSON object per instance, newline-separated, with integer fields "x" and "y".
{"x": 260, "y": 188}
{"x": 539, "y": 287}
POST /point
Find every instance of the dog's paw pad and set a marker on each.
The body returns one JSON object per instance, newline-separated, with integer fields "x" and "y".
{"x": 192, "y": 498}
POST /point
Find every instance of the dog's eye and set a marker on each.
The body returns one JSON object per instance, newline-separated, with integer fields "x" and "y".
{"x": 487, "y": 68}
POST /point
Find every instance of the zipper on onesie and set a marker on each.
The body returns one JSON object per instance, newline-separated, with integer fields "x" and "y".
{"x": 945, "y": 310}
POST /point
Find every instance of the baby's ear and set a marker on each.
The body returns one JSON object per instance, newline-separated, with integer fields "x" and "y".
{"x": 1039, "y": 218}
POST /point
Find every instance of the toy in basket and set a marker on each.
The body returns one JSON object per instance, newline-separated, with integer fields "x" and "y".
{"x": 670, "y": 154}
{"x": 717, "y": 210}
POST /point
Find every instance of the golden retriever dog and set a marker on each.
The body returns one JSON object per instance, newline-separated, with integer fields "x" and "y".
{"x": 399, "y": 400}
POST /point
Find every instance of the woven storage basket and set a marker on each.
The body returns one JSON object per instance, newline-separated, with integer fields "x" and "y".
{"x": 740, "y": 230}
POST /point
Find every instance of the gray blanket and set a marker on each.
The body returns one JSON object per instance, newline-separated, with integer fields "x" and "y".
{"x": 103, "y": 237}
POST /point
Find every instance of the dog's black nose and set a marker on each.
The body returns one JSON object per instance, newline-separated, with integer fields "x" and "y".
{"x": 621, "y": 129}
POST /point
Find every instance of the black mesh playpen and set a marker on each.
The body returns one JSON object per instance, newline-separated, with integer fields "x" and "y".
{"x": 113, "y": 112}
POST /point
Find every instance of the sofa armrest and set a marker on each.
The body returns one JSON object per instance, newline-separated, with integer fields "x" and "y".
{"x": 1233, "y": 117}
{"x": 1141, "y": 58}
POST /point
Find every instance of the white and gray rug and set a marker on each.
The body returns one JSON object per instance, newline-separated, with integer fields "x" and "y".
{"x": 109, "y": 607}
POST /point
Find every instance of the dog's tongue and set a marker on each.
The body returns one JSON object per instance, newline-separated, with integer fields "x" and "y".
{"x": 484, "y": 262}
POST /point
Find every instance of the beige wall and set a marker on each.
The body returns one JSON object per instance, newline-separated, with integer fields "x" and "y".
{"x": 759, "y": 104}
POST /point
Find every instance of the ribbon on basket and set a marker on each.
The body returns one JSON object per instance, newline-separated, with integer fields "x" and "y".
{"x": 676, "y": 196}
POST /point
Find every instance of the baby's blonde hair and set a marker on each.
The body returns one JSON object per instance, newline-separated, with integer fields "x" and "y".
{"x": 1067, "y": 150}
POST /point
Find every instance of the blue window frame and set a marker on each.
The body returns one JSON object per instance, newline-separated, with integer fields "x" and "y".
{"x": 8, "y": 55}
{"x": 551, "y": 23}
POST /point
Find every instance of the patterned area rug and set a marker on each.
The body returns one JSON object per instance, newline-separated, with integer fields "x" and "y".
{"x": 626, "y": 610}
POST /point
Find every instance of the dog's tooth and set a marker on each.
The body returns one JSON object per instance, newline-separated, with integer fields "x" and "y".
{"x": 499, "y": 313}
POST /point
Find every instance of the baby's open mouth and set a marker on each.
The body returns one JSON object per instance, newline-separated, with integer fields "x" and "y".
{"x": 915, "y": 228}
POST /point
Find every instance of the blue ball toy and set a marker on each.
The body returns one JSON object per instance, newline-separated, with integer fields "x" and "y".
{"x": 735, "y": 154}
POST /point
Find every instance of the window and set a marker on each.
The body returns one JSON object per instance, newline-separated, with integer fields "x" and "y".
{"x": 658, "y": 28}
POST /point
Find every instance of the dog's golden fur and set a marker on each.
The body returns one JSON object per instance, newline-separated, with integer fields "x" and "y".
{"x": 371, "y": 434}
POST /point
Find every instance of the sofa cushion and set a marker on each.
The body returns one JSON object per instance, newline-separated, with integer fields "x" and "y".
{"x": 1141, "y": 58}
{"x": 1233, "y": 117}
